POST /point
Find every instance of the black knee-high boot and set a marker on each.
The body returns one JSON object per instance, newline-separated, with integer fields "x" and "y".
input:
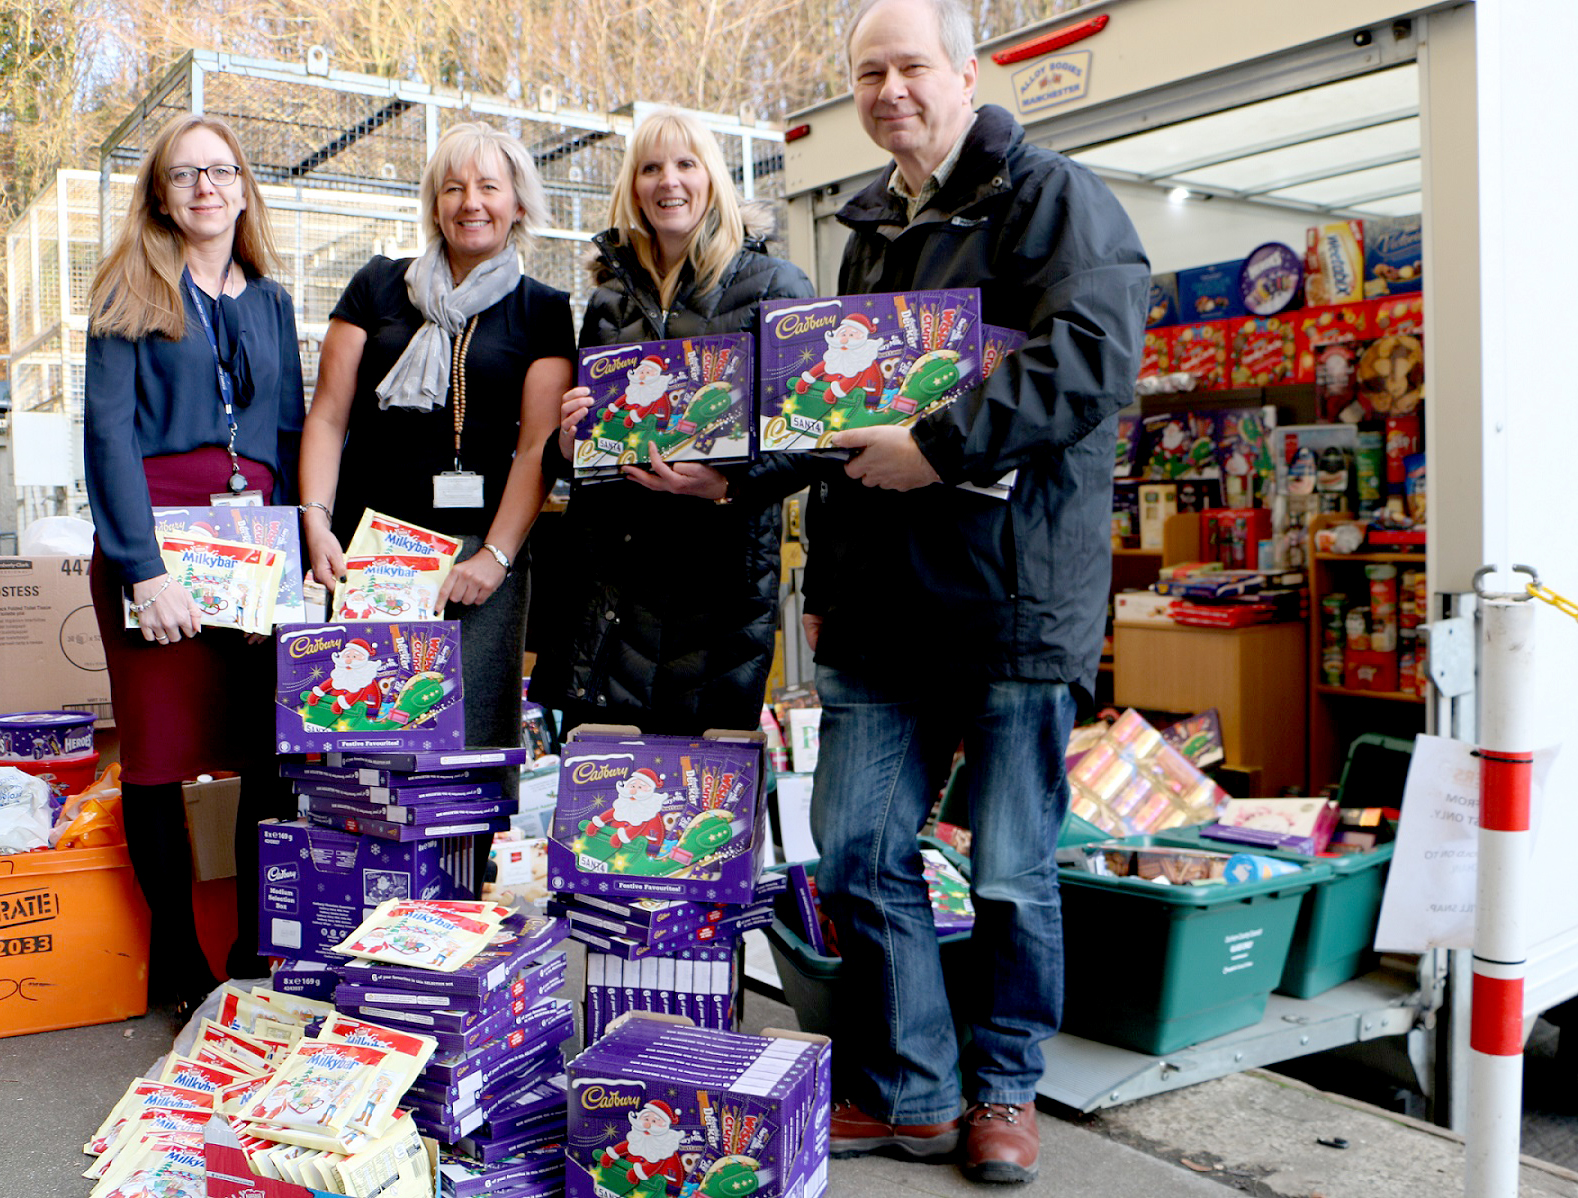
{"x": 161, "y": 856}
{"x": 263, "y": 796}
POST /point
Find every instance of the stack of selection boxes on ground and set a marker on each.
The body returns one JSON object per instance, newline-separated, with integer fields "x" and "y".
{"x": 492, "y": 1094}
{"x": 373, "y": 827}
{"x": 655, "y": 862}
{"x": 657, "y": 1108}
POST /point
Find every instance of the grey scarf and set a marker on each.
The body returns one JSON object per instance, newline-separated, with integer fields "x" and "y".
{"x": 420, "y": 379}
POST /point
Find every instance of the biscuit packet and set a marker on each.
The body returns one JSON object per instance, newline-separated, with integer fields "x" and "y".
{"x": 377, "y": 533}
{"x": 143, "y": 1093}
{"x": 441, "y": 936}
{"x": 401, "y": 586}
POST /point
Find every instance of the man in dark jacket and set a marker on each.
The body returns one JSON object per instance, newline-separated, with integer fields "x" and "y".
{"x": 942, "y": 615}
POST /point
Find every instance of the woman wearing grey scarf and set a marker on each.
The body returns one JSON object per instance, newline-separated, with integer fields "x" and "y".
{"x": 438, "y": 384}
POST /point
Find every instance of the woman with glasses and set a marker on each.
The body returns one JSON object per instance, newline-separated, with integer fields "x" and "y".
{"x": 438, "y": 383}
{"x": 193, "y": 395}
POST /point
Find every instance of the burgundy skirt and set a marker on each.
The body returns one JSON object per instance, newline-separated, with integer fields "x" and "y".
{"x": 200, "y": 704}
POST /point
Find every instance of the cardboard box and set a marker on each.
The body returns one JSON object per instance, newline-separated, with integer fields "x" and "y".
{"x": 399, "y": 689}
{"x": 51, "y": 656}
{"x": 318, "y": 884}
{"x": 211, "y": 824}
{"x": 1158, "y": 502}
{"x": 75, "y": 927}
{"x": 229, "y": 1175}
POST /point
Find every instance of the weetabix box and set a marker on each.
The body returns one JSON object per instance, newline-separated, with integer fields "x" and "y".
{"x": 692, "y": 397}
{"x": 369, "y": 686}
{"x": 659, "y": 816}
{"x": 318, "y": 884}
{"x": 860, "y": 360}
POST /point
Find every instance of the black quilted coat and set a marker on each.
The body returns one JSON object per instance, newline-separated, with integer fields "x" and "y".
{"x": 665, "y": 605}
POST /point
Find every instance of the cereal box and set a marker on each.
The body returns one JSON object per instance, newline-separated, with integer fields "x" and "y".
{"x": 1334, "y": 262}
{"x": 861, "y": 360}
{"x": 692, "y": 398}
{"x": 369, "y": 686}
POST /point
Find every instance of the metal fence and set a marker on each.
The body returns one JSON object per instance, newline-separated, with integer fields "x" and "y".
{"x": 339, "y": 157}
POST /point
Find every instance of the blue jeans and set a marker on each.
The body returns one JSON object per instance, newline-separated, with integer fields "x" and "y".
{"x": 885, "y": 752}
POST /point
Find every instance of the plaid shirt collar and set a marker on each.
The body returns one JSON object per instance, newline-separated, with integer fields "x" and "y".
{"x": 914, "y": 202}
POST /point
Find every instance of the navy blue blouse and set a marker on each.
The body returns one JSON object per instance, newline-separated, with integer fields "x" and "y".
{"x": 152, "y": 397}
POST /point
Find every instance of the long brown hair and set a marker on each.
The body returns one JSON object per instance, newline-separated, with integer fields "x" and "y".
{"x": 719, "y": 235}
{"x": 137, "y": 288}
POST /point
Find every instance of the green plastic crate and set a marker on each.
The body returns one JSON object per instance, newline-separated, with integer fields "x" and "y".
{"x": 1336, "y": 924}
{"x": 810, "y": 980}
{"x": 1156, "y": 968}
{"x": 1336, "y": 927}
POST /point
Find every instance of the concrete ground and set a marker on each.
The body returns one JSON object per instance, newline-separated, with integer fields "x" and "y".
{"x": 1256, "y": 1132}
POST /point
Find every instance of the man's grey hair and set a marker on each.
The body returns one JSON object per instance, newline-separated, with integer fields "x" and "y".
{"x": 953, "y": 23}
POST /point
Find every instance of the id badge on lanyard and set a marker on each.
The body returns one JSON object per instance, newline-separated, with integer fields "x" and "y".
{"x": 458, "y": 487}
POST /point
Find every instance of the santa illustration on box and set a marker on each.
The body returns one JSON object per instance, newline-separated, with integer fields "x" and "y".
{"x": 646, "y": 393}
{"x": 651, "y": 1150}
{"x": 637, "y": 813}
{"x": 353, "y": 680}
{"x": 849, "y": 368}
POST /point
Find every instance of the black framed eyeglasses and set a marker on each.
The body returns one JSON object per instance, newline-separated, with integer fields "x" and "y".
{"x": 220, "y": 174}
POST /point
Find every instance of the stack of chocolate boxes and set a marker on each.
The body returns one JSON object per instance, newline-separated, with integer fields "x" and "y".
{"x": 497, "y": 1031}
{"x": 655, "y": 861}
{"x": 321, "y": 874}
{"x": 667, "y": 955}
{"x": 657, "y": 1108}
{"x": 492, "y": 1094}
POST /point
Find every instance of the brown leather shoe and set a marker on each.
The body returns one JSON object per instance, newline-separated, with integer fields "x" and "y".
{"x": 1001, "y": 1142}
{"x": 855, "y": 1133}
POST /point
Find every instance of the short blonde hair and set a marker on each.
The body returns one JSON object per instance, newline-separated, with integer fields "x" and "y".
{"x": 137, "y": 287}
{"x": 719, "y": 234}
{"x": 468, "y": 145}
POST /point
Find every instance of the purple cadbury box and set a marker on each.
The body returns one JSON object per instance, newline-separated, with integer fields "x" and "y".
{"x": 749, "y": 1128}
{"x": 691, "y": 397}
{"x": 368, "y": 686}
{"x": 859, "y": 360}
{"x": 658, "y": 816}
{"x": 317, "y": 884}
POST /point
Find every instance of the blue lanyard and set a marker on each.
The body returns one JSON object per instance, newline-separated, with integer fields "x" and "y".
{"x": 227, "y": 384}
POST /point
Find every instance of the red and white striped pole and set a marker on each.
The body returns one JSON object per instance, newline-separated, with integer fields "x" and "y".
{"x": 1506, "y": 718}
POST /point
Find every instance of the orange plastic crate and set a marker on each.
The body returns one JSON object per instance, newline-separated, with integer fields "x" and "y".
{"x": 73, "y": 940}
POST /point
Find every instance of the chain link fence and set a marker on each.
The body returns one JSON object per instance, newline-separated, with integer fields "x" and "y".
{"x": 339, "y": 157}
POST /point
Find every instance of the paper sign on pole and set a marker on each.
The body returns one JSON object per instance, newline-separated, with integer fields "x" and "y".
{"x": 1429, "y": 900}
